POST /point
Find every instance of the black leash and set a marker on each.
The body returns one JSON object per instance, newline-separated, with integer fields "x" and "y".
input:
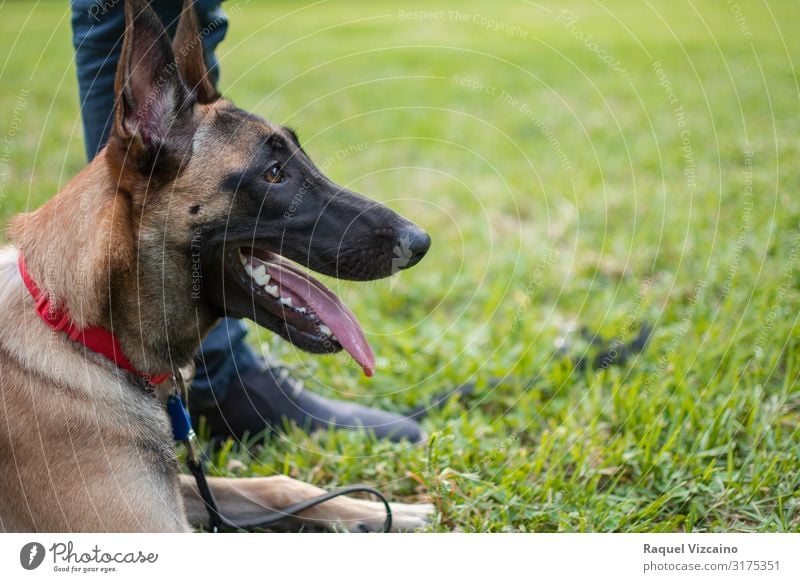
{"x": 217, "y": 521}
{"x": 182, "y": 431}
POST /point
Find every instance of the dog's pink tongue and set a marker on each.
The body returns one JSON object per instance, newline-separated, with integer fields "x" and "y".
{"x": 331, "y": 311}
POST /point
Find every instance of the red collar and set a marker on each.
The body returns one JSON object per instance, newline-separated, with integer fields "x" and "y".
{"x": 97, "y": 339}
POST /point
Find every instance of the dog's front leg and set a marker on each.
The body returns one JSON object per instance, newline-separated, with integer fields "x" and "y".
{"x": 247, "y": 499}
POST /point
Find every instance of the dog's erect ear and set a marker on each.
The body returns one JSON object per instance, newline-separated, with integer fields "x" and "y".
{"x": 153, "y": 104}
{"x": 188, "y": 49}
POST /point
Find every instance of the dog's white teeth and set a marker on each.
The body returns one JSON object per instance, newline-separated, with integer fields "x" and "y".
{"x": 287, "y": 301}
{"x": 242, "y": 258}
{"x": 301, "y": 309}
{"x": 260, "y": 275}
{"x": 325, "y": 330}
{"x": 272, "y": 290}
{"x": 248, "y": 268}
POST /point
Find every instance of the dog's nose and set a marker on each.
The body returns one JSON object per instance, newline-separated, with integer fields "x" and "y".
{"x": 413, "y": 244}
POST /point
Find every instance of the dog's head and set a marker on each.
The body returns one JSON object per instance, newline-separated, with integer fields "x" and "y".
{"x": 232, "y": 203}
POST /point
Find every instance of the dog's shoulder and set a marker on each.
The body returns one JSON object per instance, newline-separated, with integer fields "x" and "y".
{"x": 52, "y": 370}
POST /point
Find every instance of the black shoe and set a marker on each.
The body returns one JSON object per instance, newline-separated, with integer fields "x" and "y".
{"x": 264, "y": 398}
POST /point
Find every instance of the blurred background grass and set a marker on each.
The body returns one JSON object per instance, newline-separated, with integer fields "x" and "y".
{"x": 591, "y": 164}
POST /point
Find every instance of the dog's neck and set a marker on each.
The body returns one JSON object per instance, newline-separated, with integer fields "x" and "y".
{"x": 83, "y": 248}
{"x": 74, "y": 241}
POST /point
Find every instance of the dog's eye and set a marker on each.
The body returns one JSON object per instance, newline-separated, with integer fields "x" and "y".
{"x": 274, "y": 175}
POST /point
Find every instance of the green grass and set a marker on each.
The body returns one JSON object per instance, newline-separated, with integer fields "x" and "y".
{"x": 570, "y": 206}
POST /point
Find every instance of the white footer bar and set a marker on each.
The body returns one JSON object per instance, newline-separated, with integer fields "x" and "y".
{"x": 334, "y": 557}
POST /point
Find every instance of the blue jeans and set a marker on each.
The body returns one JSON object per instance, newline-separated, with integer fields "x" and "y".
{"x": 97, "y": 29}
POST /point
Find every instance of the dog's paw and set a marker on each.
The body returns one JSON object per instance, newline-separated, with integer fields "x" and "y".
{"x": 406, "y": 517}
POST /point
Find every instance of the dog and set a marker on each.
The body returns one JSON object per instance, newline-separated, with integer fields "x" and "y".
{"x": 194, "y": 210}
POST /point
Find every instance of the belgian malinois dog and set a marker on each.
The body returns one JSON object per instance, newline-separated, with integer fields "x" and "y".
{"x": 192, "y": 211}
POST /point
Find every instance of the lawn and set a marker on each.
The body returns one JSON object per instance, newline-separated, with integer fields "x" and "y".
{"x": 585, "y": 164}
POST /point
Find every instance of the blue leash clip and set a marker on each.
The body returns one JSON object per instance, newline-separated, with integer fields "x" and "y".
{"x": 179, "y": 417}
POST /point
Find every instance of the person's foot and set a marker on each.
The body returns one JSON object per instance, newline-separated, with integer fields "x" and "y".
{"x": 266, "y": 397}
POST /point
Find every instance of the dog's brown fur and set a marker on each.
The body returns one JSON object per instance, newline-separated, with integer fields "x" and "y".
{"x": 83, "y": 447}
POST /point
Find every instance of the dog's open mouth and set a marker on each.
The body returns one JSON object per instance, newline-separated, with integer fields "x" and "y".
{"x": 310, "y": 311}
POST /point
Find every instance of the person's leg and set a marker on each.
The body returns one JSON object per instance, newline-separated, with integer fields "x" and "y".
{"x": 233, "y": 388}
{"x": 97, "y": 39}
{"x": 223, "y": 355}
{"x": 97, "y": 36}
